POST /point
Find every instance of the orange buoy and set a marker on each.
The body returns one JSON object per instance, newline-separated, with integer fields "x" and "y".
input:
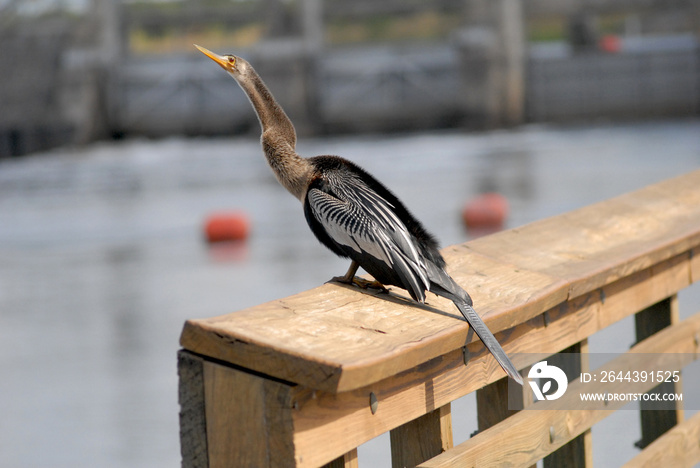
{"x": 486, "y": 212}
{"x": 226, "y": 226}
{"x": 610, "y": 44}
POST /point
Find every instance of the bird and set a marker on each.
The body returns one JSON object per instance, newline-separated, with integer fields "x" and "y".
{"x": 354, "y": 215}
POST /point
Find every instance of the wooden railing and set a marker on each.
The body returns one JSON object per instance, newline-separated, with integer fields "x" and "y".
{"x": 304, "y": 380}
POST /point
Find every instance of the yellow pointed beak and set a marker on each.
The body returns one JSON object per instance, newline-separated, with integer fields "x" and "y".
{"x": 227, "y": 63}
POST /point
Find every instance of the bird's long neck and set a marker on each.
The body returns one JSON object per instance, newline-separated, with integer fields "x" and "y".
{"x": 270, "y": 114}
{"x": 278, "y": 136}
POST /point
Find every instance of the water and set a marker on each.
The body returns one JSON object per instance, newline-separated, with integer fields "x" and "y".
{"x": 102, "y": 260}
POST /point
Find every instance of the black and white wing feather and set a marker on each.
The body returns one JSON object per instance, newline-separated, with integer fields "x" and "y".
{"x": 363, "y": 223}
{"x": 356, "y": 217}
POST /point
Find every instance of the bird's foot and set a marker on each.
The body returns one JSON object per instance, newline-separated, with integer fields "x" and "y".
{"x": 361, "y": 283}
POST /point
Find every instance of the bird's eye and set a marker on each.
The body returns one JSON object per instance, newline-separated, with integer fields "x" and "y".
{"x": 232, "y": 60}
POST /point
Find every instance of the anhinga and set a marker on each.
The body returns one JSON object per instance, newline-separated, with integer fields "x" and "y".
{"x": 353, "y": 214}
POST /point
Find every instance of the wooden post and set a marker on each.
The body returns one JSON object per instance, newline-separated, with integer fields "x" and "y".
{"x": 492, "y": 408}
{"x": 492, "y": 404}
{"x": 476, "y": 44}
{"x": 230, "y": 417}
{"x": 313, "y": 39}
{"x": 421, "y": 439}
{"x": 511, "y": 36}
{"x": 494, "y": 400}
{"x": 193, "y": 424}
{"x": 492, "y": 68}
{"x": 312, "y": 24}
{"x": 657, "y": 422}
{"x": 277, "y": 21}
{"x": 578, "y": 452}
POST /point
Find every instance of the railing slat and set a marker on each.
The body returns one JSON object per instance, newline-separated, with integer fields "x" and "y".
{"x": 577, "y": 453}
{"x": 493, "y": 402}
{"x": 421, "y": 439}
{"x": 647, "y": 322}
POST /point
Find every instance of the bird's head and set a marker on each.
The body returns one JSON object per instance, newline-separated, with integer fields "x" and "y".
{"x": 234, "y": 65}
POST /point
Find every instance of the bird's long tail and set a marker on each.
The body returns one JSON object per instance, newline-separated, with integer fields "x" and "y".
{"x": 464, "y": 303}
{"x": 488, "y": 339}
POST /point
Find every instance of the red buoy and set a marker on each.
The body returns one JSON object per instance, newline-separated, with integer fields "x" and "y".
{"x": 610, "y": 44}
{"x": 226, "y": 226}
{"x": 486, "y": 212}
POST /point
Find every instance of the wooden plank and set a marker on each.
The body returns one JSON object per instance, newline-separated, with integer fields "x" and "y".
{"x": 533, "y": 434}
{"x": 248, "y": 419}
{"x": 492, "y": 404}
{"x": 336, "y": 338}
{"x": 647, "y": 322}
{"x": 193, "y": 424}
{"x": 577, "y": 453}
{"x": 347, "y": 419}
{"x": 421, "y": 439}
{"x": 678, "y": 447}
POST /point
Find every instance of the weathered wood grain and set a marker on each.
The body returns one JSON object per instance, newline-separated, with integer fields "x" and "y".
{"x": 249, "y": 421}
{"x": 193, "y": 424}
{"x": 336, "y": 338}
{"x": 533, "y": 434}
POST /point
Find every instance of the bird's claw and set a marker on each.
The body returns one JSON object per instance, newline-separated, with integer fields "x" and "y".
{"x": 361, "y": 283}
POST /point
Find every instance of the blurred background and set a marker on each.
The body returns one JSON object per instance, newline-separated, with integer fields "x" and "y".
{"x": 76, "y": 71}
{"x": 118, "y": 141}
